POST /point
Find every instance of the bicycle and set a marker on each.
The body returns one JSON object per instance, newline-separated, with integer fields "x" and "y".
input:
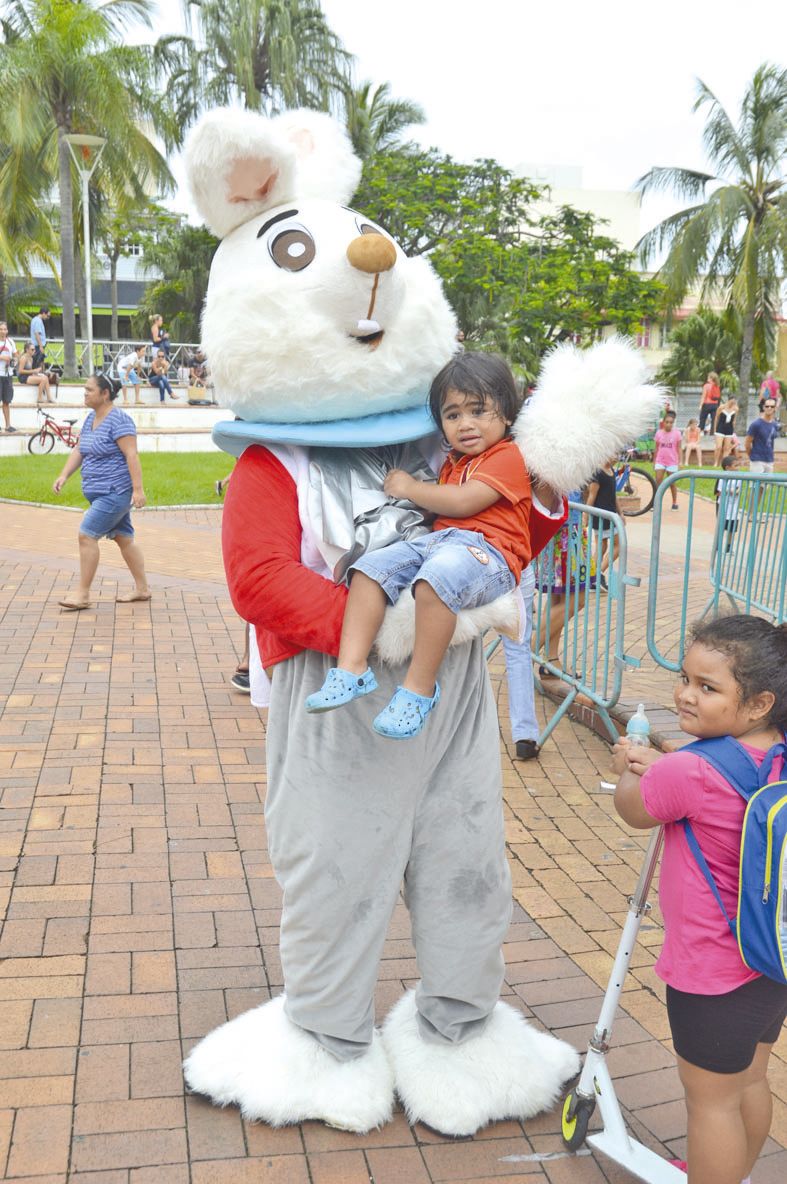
{"x": 44, "y": 439}
{"x": 636, "y": 483}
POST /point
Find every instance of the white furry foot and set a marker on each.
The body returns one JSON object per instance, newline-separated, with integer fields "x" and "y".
{"x": 277, "y": 1073}
{"x": 509, "y": 1071}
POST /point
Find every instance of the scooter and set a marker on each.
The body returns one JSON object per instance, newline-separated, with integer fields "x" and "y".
{"x": 595, "y": 1087}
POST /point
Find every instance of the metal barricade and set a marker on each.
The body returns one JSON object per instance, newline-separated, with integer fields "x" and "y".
{"x": 748, "y": 557}
{"x": 578, "y": 626}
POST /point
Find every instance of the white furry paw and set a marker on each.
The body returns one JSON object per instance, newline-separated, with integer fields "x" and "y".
{"x": 510, "y": 1070}
{"x": 277, "y": 1073}
{"x": 396, "y": 637}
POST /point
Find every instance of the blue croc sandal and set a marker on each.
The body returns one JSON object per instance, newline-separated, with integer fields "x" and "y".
{"x": 406, "y": 714}
{"x": 341, "y": 687}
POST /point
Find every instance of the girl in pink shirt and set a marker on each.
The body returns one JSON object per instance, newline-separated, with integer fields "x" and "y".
{"x": 724, "y": 1017}
{"x": 667, "y": 453}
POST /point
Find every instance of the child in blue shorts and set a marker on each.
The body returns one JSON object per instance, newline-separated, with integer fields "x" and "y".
{"x": 478, "y": 546}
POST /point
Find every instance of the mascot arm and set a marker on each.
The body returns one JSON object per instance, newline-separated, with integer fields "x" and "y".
{"x": 545, "y": 522}
{"x": 261, "y": 541}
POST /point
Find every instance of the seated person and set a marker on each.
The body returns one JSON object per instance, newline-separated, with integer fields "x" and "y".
{"x": 37, "y": 376}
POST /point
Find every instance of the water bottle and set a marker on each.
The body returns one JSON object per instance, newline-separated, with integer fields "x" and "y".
{"x": 638, "y": 728}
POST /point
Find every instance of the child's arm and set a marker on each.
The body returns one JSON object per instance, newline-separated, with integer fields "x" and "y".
{"x": 452, "y": 501}
{"x": 592, "y": 493}
{"x": 631, "y": 761}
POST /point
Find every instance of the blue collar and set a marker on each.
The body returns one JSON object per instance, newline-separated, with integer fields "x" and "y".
{"x": 368, "y": 431}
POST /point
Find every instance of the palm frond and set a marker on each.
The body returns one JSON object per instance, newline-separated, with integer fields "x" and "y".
{"x": 687, "y": 183}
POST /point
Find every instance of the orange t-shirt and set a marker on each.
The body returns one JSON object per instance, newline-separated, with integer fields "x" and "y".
{"x": 506, "y": 523}
{"x": 711, "y": 393}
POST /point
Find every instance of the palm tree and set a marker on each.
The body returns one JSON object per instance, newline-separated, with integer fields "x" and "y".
{"x": 375, "y": 121}
{"x": 735, "y": 236}
{"x": 703, "y": 342}
{"x": 269, "y": 54}
{"x": 64, "y": 70}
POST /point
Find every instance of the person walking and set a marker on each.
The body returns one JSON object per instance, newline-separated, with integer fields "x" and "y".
{"x": 38, "y": 335}
{"x": 602, "y": 493}
{"x": 770, "y": 389}
{"x": 709, "y": 403}
{"x": 8, "y": 355}
{"x": 725, "y": 429}
{"x": 112, "y": 483}
{"x": 760, "y": 437}
{"x": 519, "y": 675}
{"x": 667, "y": 453}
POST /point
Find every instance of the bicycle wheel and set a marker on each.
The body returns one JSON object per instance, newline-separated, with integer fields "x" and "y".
{"x": 41, "y": 442}
{"x": 637, "y": 494}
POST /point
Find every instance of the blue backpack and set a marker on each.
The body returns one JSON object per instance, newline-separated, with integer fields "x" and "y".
{"x": 760, "y": 927}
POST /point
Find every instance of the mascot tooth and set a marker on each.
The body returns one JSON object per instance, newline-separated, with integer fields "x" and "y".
{"x": 323, "y": 338}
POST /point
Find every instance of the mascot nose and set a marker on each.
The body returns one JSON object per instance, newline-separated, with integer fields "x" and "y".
{"x": 372, "y": 253}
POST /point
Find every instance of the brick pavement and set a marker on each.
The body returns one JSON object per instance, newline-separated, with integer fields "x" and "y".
{"x": 140, "y": 908}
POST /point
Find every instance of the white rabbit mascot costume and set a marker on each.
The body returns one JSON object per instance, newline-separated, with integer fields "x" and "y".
{"x": 323, "y": 338}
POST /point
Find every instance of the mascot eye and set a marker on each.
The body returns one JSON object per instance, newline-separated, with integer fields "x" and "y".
{"x": 368, "y": 227}
{"x": 292, "y": 249}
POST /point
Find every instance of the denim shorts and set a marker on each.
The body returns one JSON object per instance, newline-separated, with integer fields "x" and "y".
{"x": 109, "y": 514}
{"x": 461, "y": 566}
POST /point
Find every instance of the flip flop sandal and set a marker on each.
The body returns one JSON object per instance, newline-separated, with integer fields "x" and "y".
{"x": 406, "y": 714}
{"x": 340, "y": 687}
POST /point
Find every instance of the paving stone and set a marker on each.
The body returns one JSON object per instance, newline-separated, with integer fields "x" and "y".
{"x": 131, "y": 829}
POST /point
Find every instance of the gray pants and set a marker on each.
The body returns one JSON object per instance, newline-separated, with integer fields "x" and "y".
{"x": 350, "y": 814}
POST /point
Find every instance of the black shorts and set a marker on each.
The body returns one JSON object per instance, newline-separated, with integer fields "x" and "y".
{"x": 6, "y": 388}
{"x": 720, "y": 1033}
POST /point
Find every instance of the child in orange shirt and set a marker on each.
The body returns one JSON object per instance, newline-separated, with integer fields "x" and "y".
{"x": 479, "y": 544}
{"x": 691, "y": 442}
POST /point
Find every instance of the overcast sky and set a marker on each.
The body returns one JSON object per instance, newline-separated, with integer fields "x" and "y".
{"x": 604, "y": 84}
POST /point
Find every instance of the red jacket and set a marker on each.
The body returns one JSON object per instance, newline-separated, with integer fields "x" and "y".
{"x": 291, "y": 607}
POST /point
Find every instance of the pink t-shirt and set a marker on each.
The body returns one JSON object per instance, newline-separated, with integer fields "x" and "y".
{"x": 667, "y": 447}
{"x": 699, "y": 954}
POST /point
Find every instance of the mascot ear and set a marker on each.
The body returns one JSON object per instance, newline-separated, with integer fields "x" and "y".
{"x": 327, "y": 166}
{"x": 239, "y": 163}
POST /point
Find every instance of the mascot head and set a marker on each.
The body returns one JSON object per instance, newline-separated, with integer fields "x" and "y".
{"x": 313, "y": 312}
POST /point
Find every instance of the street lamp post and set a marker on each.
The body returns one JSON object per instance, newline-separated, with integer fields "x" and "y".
{"x": 86, "y": 153}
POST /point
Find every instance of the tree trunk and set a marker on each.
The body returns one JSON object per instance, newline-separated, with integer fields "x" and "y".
{"x": 3, "y": 296}
{"x": 113, "y": 287}
{"x": 80, "y": 290}
{"x": 66, "y": 255}
{"x": 746, "y": 356}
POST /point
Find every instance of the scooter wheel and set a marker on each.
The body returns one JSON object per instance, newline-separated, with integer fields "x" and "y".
{"x": 577, "y": 1112}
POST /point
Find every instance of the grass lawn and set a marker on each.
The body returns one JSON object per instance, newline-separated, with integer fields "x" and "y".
{"x": 171, "y": 478}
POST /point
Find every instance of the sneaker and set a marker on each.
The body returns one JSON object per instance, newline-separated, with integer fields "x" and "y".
{"x": 526, "y": 750}
{"x": 10, "y": 429}
{"x": 240, "y": 681}
{"x": 675, "y": 507}
{"x": 602, "y": 582}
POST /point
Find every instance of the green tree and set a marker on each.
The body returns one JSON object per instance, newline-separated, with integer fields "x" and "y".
{"x": 563, "y": 280}
{"x": 64, "y": 70}
{"x": 375, "y": 120}
{"x": 269, "y": 54}
{"x": 734, "y": 237}
{"x": 703, "y": 342}
{"x": 425, "y": 199}
{"x": 182, "y": 256}
{"x": 518, "y": 282}
{"x": 123, "y": 224}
